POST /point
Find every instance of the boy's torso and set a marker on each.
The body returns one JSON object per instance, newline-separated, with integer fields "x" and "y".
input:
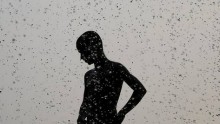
{"x": 103, "y": 88}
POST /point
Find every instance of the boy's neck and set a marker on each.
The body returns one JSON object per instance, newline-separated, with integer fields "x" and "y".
{"x": 101, "y": 62}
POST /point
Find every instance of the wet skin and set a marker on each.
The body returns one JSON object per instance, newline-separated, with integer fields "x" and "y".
{"x": 102, "y": 90}
{"x": 103, "y": 85}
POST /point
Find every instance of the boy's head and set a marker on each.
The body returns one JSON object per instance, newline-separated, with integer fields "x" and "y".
{"x": 89, "y": 44}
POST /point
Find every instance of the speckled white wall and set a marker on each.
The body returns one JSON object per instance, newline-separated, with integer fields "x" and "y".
{"x": 171, "y": 46}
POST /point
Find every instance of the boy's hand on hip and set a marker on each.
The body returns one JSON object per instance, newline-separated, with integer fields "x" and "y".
{"x": 119, "y": 117}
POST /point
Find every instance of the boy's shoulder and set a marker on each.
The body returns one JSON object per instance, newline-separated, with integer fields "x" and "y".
{"x": 89, "y": 72}
{"x": 114, "y": 65}
{"x": 118, "y": 66}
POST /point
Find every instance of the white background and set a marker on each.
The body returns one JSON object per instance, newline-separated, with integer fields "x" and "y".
{"x": 171, "y": 46}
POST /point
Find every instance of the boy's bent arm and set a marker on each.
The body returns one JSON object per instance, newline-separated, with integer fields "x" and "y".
{"x": 138, "y": 90}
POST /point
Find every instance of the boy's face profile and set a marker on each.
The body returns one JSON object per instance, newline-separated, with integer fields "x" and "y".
{"x": 88, "y": 55}
{"x": 89, "y": 45}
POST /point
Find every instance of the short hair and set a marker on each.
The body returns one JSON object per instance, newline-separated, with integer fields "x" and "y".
{"x": 89, "y": 38}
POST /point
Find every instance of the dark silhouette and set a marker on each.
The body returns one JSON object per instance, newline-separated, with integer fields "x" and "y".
{"x": 103, "y": 84}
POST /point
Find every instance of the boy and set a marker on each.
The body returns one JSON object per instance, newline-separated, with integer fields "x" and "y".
{"x": 103, "y": 84}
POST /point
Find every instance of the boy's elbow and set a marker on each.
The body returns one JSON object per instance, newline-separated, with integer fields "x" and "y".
{"x": 141, "y": 92}
{"x": 144, "y": 91}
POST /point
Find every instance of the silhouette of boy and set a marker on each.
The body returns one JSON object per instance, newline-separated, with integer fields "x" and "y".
{"x": 103, "y": 84}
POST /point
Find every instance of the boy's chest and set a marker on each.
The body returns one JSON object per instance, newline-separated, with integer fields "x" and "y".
{"x": 100, "y": 80}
